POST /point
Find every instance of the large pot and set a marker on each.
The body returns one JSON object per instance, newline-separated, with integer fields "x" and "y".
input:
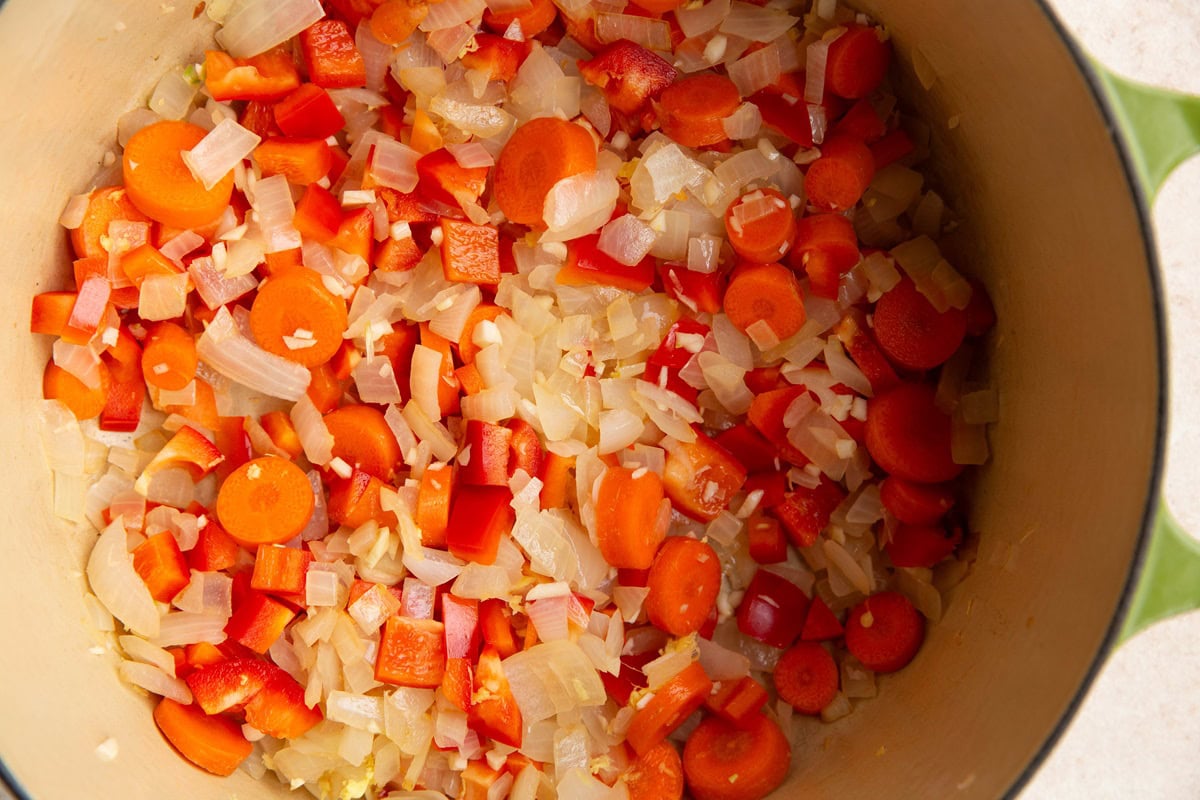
{"x": 1056, "y": 216}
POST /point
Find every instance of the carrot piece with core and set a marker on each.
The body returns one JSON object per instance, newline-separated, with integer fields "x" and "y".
{"x": 629, "y": 522}
{"x": 363, "y": 439}
{"x": 807, "y": 677}
{"x": 857, "y": 62}
{"x": 215, "y": 744}
{"x": 395, "y": 20}
{"x": 293, "y": 309}
{"x": 761, "y": 225}
{"x": 912, "y": 332}
{"x": 169, "y": 358}
{"x": 279, "y": 427}
{"x": 528, "y": 168}
{"x": 534, "y": 18}
{"x": 684, "y": 581}
{"x": 657, "y": 775}
{"x": 838, "y": 178}
{"x": 160, "y": 184}
{"x": 673, "y": 703}
{"x": 265, "y": 501}
{"x": 722, "y": 762}
{"x": 884, "y": 632}
{"x": 765, "y": 293}
{"x": 692, "y": 111}
{"x": 908, "y": 436}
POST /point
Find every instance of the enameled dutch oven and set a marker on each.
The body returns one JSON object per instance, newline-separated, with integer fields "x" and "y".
{"x": 1075, "y": 551}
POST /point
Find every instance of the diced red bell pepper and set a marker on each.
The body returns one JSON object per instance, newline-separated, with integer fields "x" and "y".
{"x": 701, "y": 477}
{"x": 981, "y": 314}
{"x": 820, "y": 624}
{"x": 412, "y": 652}
{"x": 772, "y": 610}
{"x": 398, "y": 255}
{"x": 258, "y": 621}
{"x": 332, "y": 58}
{"x": 356, "y": 234}
{"x": 301, "y": 161}
{"x": 404, "y": 207}
{"x": 768, "y": 545}
{"x": 587, "y": 265}
{"x": 766, "y": 414}
{"x": 494, "y": 713}
{"x": 525, "y": 449}
{"x": 496, "y": 626}
{"x": 215, "y": 549}
{"x": 470, "y": 253}
{"x": 309, "y": 112}
{"x": 266, "y": 77}
{"x": 749, "y": 447}
{"x": 123, "y": 405}
{"x": 202, "y": 654}
{"x": 228, "y": 683}
{"x": 258, "y": 117}
{"x": 738, "y": 702}
{"x": 894, "y": 146}
{"x": 479, "y": 516}
{"x": 187, "y": 449}
{"x": 355, "y": 500}
{"x": 922, "y": 545}
{"x": 162, "y": 567}
{"x": 442, "y": 179}
{"x": 629, "y": 75}
{"x": 278, "y": 709}
{"x": 457, "y": 682}
{"x": 774, "y": 486}
{"x": 487, "y": 462}
{"x": 664, "y": 364}
{"x": 805, "y": 512}
{"x": 861, "y": 122}
{"x": 500, "y": 58}
{"x": 856, "y": 337}
{"x": 144, "y": 261}
{"x": 233, "y": 442}
{"x": 280, "y": 570}
{"x": 699, "y": 291}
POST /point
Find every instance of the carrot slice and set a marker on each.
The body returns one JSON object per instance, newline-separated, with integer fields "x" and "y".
{"x": 169, "y": 358}
{"x": 738, "y": 702}
{"x": 908, "y": 436}
{"x": 265, "y": 501}
{"x": 922, "y": 545}
{"x": 528, "y": 168}
{"x": 761, "y": 225}
{"x": 857, "y": 62}
{"x": 912, "y": 332}
{"x": 826, "y": 248}
{"x": 657, "y": 775}
{"x": 884, "y": 632}
{"x": 837, "y": 180}
{"x": 293, "y": 309}
{"x": 394, "y": 21}
{"x": 768, "y": 293}
{"x": 214, "y": 744}
{"x": 692, "y": 111}
{"x": 84, "y": 402}
{"x": 105, "y": 205}
{"x": 673, "y": 703}
{"x": 363, "y": 439}
{"x": 722, "y": 762}
{"x": 433, "y": 504}
{"x": 160, "y": 184}
{"x": 628, "y": 527}
{"x": 684, "y": 581}
{"x": 534, "y": 19}
{"x": 915, "y": 503}
{"x": 806, "y": 676}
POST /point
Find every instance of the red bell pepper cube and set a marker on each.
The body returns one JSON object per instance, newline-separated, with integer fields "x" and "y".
{"x": 187, "y": 449}
{"x": 805, "y": 512}
{"x": 768, "y": 545}
{"x": 664, "y": 364}
{"x": 332, "y": 58}
{"x": 587, "y": 265}
{"x": 479, "y": 516}
{"x": 215, "y": 549}
{"x": 258, "y": 621}
{"x": 161, "y": 565}
{"x": 495, "y": 622}
{"x": 123, "y": 405}
{"x": 772, "y": 610}
{"x": 402, "y": 206}
{"x": 738, "y": 702}
{"x": 443, "y": 180}
{"x": 470, "y": 253}
{"x": 202, "y": 654}
{"x": 526, "y": 451}
{"x": 701, "y": 477}
{"x": 356, "y": 234}
{"x": 278, "y": 708}
{"x": 412, "y": 652}
{"x": 457, "y": 682}
{"x": 355, "y": 500}
{"x": 266, "y": 77}
{"x": 280, "y": 570}
{"x": 699, "y": 291}
{"x": 301, "y": 161}
{"x": 398, "y": 255}
{"x": 749, "y": 447}
{"x": 50, "y": 313}
{"x": 629, "y": 75}
{"x": 309, "y": 112}
{"x": 258, "y": 117}
{"x": 487, "y": 464}
{"x": 766, "y": 415}
{"x": 495, "y": 713}
{"x": 820, "y": 623}
{"x": 228, "y": 683}
{"x": 855, "y": 336}
{"x": 500, "y": 58}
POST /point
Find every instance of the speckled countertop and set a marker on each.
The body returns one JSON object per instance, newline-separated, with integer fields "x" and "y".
{"x": 1138, "y": 732}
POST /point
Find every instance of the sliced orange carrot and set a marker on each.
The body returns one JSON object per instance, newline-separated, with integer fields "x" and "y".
{"x": 293, "y": 309}
{"x": 105, "y": 205}
{"x": 433, "y": 504}
{"x": 692, "y": 111}
{"x": 916, "y": 503}
{"x": 144, "y": 261}
{"x": 673, "y": 703}
{"x": 301, "y": 161}
{"x": 395, "y": 20}
{"x": 50, "y": 313}
{"x": 169, "y": 358}
{"x": 909, "y": 436}
{"x": 857, "y": 62}
{"x": 356, "y": 500}
{"x": 265, "y": 501}
{"x": 214, "y": 744}
{"x": 84, "y": 402}
{"x": 807, "y": 677}
{"x": 912, "y": 332}
{"x": 160, "y": 184}
{"x": 657, "y": 775}
{"x": 884, "y": 632}
{"x": 761, "y": 225}
{"x": 325, "y": 388}
{"x": 684, "y": 581}
{"x": 539, "y": 154}
{"x": 534, "y": 19}
{"x": 738, "y": 701}
{"x": 837, "y": 180}
{"x": 363, "y": 439}
{"x": 628, "y": 527}
{"x": 768, "y": 293}
{"x": 722, "y": 762}
{"x": 470, "y": 379}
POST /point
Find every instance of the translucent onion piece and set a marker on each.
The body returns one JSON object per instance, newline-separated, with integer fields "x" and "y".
{"x": 481, "y": 582}
{"x": 549, "y": 617}
{"x": 138, "y": 649}
{"x": 627, "y": 239}
{"x": 79, "y": 361}
{"x": 173, "y": 95}
{"x": 118, "y": 586}
{"x": 843, "y": 370}
{"x": 676, "y": 657}
{"x": 696, "y": 21}
{"x": 433, "y": 567}
{"x": 224, "y": 349}
{"x": 214, "y": 288}
{"x": 429, "y": 431}
{"x": 449, "y": 13}
{"x": 181, "y": 627}
{"x": 756, "y": 71}
{"x": 449, "y": 322}
{"x": 155, "y": 680}
{"x": 73, "y": 213}
{"x": 814, "y": 75}
{"x": 552, "y": 678}
{"x": 394, "y": 165}
{"x": 664, "y": 174}
{"x": 653, "y": 34}
{"x": 163, "y": 296}
{"x": 720, "y": 663}
{"x": 356, "y": 711}
{"x": 207, "y": 593}
{"x": 469, "y": 155}
{"x": 756, "y": 23}
{"x": 579, "y": 205}
{"x": 181, "y": 245}
{"x": 744, "y": 123}
{"x": 133, "y": 121}
{"x": 377, "y": 56}
{"x": 62, "y": 439}
{"x": 255, "y": 26}
{"x": 375, "y": 380}
{"x": 219, "y": 152}
{"x": 321, "y": 588}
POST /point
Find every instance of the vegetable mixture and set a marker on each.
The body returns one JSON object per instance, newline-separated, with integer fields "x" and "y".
{"x": 517, "y": 399}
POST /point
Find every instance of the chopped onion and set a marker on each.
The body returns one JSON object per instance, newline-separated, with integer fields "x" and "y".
{"x": 451, "y": 314}
{"x": 720, "y": 663}
{"x": 181, "y": 245}
{"x": 375, "y": 380}
{"x": 133, "y": 121}
{"x": 696, "y": 21}
{"x": 214, "y": 288}
{"x": 847, "y": 566}
{"x": 73, "y": 213}
{"x": 434, "y": 567}
{"x": 255, "y": 26}
{"x": 219, "y": 152}
{"x": 552, "y": 678}
{"x": 744, "y": 123}
{"x": 482, "y": 582}
{"x": 138, "y": 649}
{"x": 118, "y": 586}
{"x": 450, "y": 13}
{"x": 377, "y": 56}
{"x": 361, "y": 712}
{"x": 627, "y": 239}
{"x": 756, "y": 71}
{"x": 394, "y": 165}
{"x": 470, "y": 155}
{"x": 653, "y": 34}
{"x": 181, "y": 627}
{"x": 549, "y": 617}
{"x": 223, "y": 348}
{"x": 663, "y": 174}
{"x": 430, "y": 431}
{"x": 155, "y": 680}
{"x": 619, "y": 428}
{"x": 814, "y": 74}
{"x": 843, "y": 370}
{"x": 173, "y": 95}
{"x": 78, "y": 360}
{"x": 163, "y": 296}
{"x": 579, "y": 205}
{"x": 756, "y": 24}
{"x": 321, "y": 588}
{"x": 207, "y": 593}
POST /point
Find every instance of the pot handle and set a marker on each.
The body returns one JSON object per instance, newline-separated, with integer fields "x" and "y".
{"x": 1161, "y": 127}
{"x": 1169, "y": 581}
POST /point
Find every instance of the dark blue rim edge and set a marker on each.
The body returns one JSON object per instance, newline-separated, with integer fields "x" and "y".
{"x": 1142, "y": 207}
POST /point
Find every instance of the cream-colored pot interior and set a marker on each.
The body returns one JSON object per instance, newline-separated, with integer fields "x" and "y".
{"x": 1055, "y": 235}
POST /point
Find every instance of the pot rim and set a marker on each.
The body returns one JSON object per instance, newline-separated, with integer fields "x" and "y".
{"x": 1153, "y": 489}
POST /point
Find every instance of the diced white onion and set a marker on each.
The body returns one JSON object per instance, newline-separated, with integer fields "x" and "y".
{"x": 138, "y": 649}
{"x": 155, "y": 680}
{"x": 375, "y": 380}
{"x": 756, "y": 71}
{"x": 255, "y": 26}
{"x": 163, "y": 296}
{"x": 118, "y": 586}
{"x": 696, "y": 21}
{"x": 394, "y": 165}
{"x": 814, "y": 74}
{"x": 627, "y": 239}
{"x": 756, "y": 23}
{"x": 214, "y": 288}
{"x": 653, "y": 34}
{"x": 552, "y": 678}
{"x": 219, "y": 152}
{"x": 181, "y": 627}
{"x": 579, "y": 205}
{"x": 173, "y": 95}
{"x": 223, "y": 348}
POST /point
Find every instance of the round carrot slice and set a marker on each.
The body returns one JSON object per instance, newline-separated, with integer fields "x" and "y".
{"x": 395, "y": 20}
{"x": 912, "y": 332}
{"x": 658, "y": 775}
{"x": 265, "y": 501}
{"x": 84, "y": 402}
{"x": 908, "y": 435}
{"x": 761, "y": 225}
{"x": 767, "y": 293}
{"x": 692, "y": 111}
{"x": 160, "y": 184}
{"x": 540, "y": 153}
{"x": 214, "y": 744}
{"x": 857, "y": 62}
{"x": 684, "y": 581}
{"x": 915, "y": 503}
{"x": 884, "y": 632}
{"x": 722, "y": 762}
{"x": 169, "y": 358}
{"x": 363, "y": 439}
{"x": 807, "y": 677}
{"x": 534, "y": 19}
{"x": 837, "y": 180}
{"x": 293, "y": 309}
{"x": 105, "y": 205}
{"x": 627, "y": 517}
